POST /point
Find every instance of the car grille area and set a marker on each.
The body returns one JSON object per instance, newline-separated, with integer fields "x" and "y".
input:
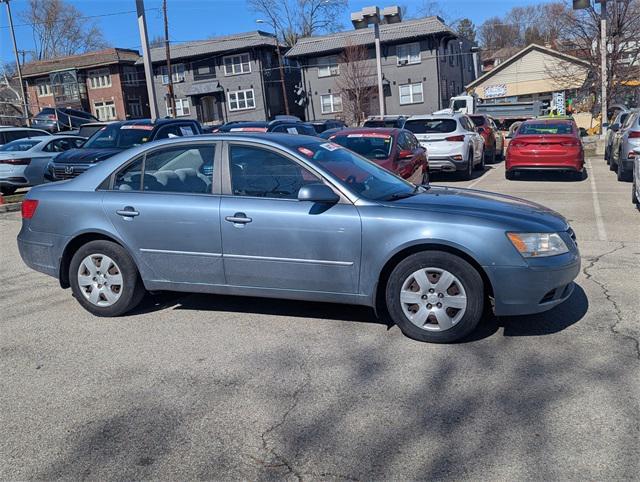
{"x": 67, "y": 172}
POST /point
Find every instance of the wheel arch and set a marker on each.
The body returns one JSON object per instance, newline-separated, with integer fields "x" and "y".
{"x": 406, "y": 251}
{"x": 76, "y": 243}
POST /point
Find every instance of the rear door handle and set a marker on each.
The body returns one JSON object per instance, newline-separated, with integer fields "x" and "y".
{"x": 128, "y": 212}
{"x": 238, "y": 218}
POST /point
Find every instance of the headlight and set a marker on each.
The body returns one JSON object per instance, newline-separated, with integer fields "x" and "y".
{"x": 537, "y": 245}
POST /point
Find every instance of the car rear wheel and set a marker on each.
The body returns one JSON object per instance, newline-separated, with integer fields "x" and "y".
{"x": 490, "y": 156}
{"x": 435, "y": 296}
{"x": 509, "y": 175}
{"x": 425, "y": 176}
{"x": 634, "y": 193}
{"x": 481, "y": 164}
{"x": 621, "y": 173}
{"x": 104, "y": 279}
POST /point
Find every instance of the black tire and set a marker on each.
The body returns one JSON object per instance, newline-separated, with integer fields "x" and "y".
{"x": 8, "y": 190}
{"x": 425, "y": 176}
{"x": 613, "y": 166}
{"x": 467, "y": 174}
{"x": 509, "y": 175}
{"x": 490, "y": 156}
{"x": 634, "y": 196}
{"x": 469, "y": 278}
{"x": 132, "y": 288}
{"x": 621, "y": 173}
{"x": 481, "y": 164}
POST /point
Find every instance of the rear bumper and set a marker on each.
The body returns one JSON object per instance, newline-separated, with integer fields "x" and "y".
{"x": 41, "y": 251}
{"x": 446, "y": 163}
{"x": 546, "y": 165}
{"x": 14, "y": 181}
{"x": 534, "y": 289}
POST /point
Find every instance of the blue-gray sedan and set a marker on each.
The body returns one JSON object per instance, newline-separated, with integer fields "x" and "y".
{"x": 294, "y": 217}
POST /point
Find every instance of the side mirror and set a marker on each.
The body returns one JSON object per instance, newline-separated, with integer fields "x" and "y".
{"x": 615, "y": 127}
{"x": 318, "y": 193}
{"x": 405, "y": 154}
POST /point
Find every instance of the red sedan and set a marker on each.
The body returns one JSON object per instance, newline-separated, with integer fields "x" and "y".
{"x": 397, "y": 150}
{"x": 546, "y": 144}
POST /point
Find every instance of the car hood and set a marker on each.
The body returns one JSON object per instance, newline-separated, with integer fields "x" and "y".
{"x": 84, "y": 156}
{"x": 513, "y": 211}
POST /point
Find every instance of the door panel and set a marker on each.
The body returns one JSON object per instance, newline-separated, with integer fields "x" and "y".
{"x": 291, "y": 245}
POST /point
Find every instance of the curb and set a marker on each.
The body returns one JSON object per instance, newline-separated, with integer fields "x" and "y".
{"x": 12, "y": 207}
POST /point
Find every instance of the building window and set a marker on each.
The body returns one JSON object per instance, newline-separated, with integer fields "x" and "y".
{"x": 177, "y": 73}
{"x": 105, "y": 110}
{"x": 135, "y": 109}
{"x": 99, "y": 79}
{"x": 411, "y": 94}
{"x": 242, "y": 100}
{"x": 182, "y": 108}
{"x": 237, "y": 64}
{"x": 129, "y": 76}
{"x": 203, "y": 70}
{"x": 330, "y": 103}
{"x": 328, "y": 66}
{"x": 451, "y": 55}
{"x": 44, "y": 88}
{"x": 408, "y": 53}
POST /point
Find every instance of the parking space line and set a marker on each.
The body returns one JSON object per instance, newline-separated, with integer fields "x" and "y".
{"x": 602, "y": 232}
{"x": 484, "y": 176}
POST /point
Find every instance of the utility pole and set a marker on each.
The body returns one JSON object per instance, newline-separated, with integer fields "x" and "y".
{"x": 25, "y": 108}
{"x": 281, "y": 67}
{"x": 460, "y": 58}
{"x": 167, "y": 49}
{"x": 148, "y": 71}
{"x": 376, "y": 35}
{"x": 603, "y": 64}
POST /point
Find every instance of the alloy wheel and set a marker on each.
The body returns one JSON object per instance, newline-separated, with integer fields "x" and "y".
{"x": 433, "y": 299}
{"x": 100, "y": 280}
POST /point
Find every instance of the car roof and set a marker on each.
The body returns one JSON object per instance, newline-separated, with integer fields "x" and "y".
{"x": 549, "y": 120}
{"x": 434, "y": 116}
{"x": 9, "y": 128}
{"x": 391, "y": 131}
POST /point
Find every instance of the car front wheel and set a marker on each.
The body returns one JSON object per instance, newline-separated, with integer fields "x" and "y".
{"x": 104, "y": 279}
{"x": 435, "y": 296}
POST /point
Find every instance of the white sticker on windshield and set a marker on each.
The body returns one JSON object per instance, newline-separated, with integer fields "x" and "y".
{"x": 292, "y": 130}
{"x": 330, "y": 146}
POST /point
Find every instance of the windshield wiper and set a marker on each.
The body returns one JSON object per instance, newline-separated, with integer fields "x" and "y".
{"x": 399, "y": 195}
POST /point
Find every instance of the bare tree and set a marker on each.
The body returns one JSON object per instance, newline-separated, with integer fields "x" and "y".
{"x": 293, "y": 19}
{"x": 157, "y": 41}
{"x": 356, "y": 82}
{"x": 466, "y": 29}
{"x": 58, "y": 29}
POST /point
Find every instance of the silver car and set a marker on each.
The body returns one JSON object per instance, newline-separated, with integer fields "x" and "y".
{"x": 624, "y": 142}
{"x": 294, "y": 217}
{"x": 615, "y": 126}
{"x": 452, "y": 141}
{"x": 23, "y": 161}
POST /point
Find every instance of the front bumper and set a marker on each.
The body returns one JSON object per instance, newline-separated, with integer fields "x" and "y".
{"x": 542, "y": 285}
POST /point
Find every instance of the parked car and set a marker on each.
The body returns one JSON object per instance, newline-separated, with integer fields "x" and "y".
{"x": 635, "y": 187}
{"x": 8, "y": 134}
{"x": 54, "y": 119}
{"x": 295, "y": 217}
{"x": 397, "y": 150}
{"x": 510, "y": 133}
{"x": 278, "y": 125}
{"x": 385, "y": 121}
{"x": 451, "y": 141}
{"x": 322, "y": 125}
{"x": 329, "y": 132}
{"x": 23, "y": 161}
{"x": 615, "y": 126}
{"x": 114, "y": 138}
{"x": 624, "y": 142}
{"x": 493, "y": 140}
{"x": 546, "y": 144}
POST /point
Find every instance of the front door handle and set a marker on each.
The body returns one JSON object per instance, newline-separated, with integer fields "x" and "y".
{"x": 238, "y": 218}
{"x": 128, "y": 211}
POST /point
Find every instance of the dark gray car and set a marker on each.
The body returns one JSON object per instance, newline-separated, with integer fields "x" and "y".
{"x": 295, "y": 217}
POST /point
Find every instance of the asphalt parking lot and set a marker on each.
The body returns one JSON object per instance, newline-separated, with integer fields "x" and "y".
{"x": 216, "y": 387}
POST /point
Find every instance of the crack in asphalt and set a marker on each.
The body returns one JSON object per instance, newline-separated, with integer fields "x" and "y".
{"x": 618, "y": 312}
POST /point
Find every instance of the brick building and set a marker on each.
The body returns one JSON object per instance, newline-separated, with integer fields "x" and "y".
{"x": 107, "y": 83}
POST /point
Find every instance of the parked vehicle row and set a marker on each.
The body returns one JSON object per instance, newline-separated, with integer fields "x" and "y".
{"x": 625, "y": 138}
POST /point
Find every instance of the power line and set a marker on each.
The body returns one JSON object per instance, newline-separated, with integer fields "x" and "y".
{"x": 84, "y": 17}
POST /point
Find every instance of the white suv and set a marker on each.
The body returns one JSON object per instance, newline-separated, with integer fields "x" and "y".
{"x": 452, "y": 142}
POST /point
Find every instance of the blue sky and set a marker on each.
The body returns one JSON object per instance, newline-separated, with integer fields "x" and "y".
{"x": 197, "y": 19}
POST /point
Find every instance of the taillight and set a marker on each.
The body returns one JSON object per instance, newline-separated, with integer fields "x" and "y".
{"x": 29, "y": 208}
{"x": 454, "y": 139}
{"x": 514, "y": 144}
{"x": 634, "y": 135}
{"x": 51, "y": 117}
{"x": 16, "y": 162}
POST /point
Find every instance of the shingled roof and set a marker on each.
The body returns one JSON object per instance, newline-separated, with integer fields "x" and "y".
{"x": 228, "y": 43}
{"x": 81, "y": 61}
{"x": 395, "y": 32}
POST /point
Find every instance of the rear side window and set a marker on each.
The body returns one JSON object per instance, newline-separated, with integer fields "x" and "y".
{"x": 547, "y": 128}
{"x": 14, "y": 135}
{"x": 175, "y": 131}
{"x": 431, "y": 126}
{"x": 479, "y": 121}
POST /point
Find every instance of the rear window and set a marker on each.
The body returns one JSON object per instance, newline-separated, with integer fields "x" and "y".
{"x": 88, "y": 131}
{"x": 372, "y": 146}
{"x": 546, "y": 128}
{"x": 431, "y": 126}
{"x": 47, "y": 111}
{"x": 19, "y": 145}
{"x": 381, "y": 123}
{"x": 477, "y": 120}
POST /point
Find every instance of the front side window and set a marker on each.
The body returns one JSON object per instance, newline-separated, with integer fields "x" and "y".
{"x": 241, "y": 100}
{"x": 328, "y": 66}
{"x": 99, "y": 79}
{"x": 61, "y": 145}
{"x": 183, "y": 108}
{"x": 330, "y": 103}
{"x": 105, "y": 110}
{"x": 237, "y": 64}
{"x": 411, "y": 93}
{"x": 408, "y": 53}
{"x": 129, "y": 178}
{"x": 259, "y": 172}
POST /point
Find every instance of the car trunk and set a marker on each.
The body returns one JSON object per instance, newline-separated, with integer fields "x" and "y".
{"x": 546, "y": 146}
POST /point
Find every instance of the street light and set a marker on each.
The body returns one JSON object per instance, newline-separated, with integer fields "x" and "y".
{"x": 373, "y": 16}
{"x": 281, "y": 67}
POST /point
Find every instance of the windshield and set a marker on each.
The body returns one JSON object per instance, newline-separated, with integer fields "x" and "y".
{"x": 381, "y": 123}
{"x": 120, "y": 136}
{"x": 19, "y": 145}
{"x": 546, "y": 128}
{"x": 361, "y": 176}
{"x": 372, "y": 146}
{"x": 431, "y": 126}
{"x": 477, "y": 120}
